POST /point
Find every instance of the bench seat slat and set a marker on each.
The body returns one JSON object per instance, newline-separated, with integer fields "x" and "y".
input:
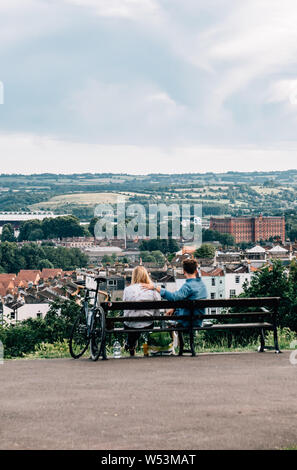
{"x": 238, "y": 325}
{"x": 231, "y": 326}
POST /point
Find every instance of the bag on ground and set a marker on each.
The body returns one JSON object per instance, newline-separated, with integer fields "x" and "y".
{"x": 160, "y": 344}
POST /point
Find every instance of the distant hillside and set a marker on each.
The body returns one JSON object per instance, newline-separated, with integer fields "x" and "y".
{"x": 235, "y": 193}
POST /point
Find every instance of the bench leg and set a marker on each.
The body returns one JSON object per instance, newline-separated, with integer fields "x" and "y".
{"x": 276, "y": 346}
{"x": 104, "y": 355}
{"x": 192, "y": 346}
{"x": 181, "y": 343}
{"x": 262, "y": 341}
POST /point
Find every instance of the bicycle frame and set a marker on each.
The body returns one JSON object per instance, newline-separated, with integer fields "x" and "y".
{"x": 90, "y": 311}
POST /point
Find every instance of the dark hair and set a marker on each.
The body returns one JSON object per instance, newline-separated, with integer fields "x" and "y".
{"x": 190, "y": 266}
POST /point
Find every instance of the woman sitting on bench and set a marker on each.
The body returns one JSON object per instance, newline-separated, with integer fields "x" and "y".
{"x": 135, "y": 293}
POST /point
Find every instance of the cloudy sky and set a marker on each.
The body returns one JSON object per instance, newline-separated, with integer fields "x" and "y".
{"x": 143, "y": 86}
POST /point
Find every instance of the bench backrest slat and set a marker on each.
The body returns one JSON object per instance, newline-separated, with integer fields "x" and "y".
{"x": 271, "y": 302}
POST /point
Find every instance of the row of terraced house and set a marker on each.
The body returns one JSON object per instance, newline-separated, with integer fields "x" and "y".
{"x": 31, "y": 292}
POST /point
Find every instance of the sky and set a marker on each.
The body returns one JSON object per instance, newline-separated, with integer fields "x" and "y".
{"x": 144, "y": 86}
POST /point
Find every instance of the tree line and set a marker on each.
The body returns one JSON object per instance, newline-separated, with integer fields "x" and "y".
{"x": 49, "y": 228}
{"x": 224, "y": 239}
{"x": 14, "y": 257}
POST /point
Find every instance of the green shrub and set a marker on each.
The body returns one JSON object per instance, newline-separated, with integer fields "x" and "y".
{"x": 48, "y": 350}
{"x": 285, "y": 338}
{"x": 22, "y": 338}
{"x": 161, "y": 339}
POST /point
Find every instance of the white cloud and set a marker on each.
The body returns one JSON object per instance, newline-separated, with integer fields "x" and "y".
{"x": 244, "y": 41}
{"x": 50, "y": 155}
{"x": 283, "y": 91}
{"x": 129, "y": 110}
{"x": 23, "y": 19}
{"x": 221, "y": 64}
{"x": 133, "y": 9}
{"x": 7, "y": 5}
{"x": 253, "y": 41}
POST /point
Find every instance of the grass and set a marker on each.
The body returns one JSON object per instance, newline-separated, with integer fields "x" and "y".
{"x": 202, "y": 344}
{"x": 85, "y": 199}
{"x": 265, "y": 191}
{"x": 60, "y": 349}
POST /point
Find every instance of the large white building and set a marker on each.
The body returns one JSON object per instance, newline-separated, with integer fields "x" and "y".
{"x": 214, "y": 280}
{"x": 222, "y": 282}
{"x": 23, "y": 312}
{"x": 235, "y": 278}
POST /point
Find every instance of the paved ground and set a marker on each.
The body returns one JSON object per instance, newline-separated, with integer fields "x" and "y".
{"x": 230, "y": 401}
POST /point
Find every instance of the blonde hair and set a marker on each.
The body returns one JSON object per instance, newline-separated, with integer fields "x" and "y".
{"x": 140, "y": 275}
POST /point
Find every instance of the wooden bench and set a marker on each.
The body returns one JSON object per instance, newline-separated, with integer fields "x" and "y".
{"x": 266, "y": 319}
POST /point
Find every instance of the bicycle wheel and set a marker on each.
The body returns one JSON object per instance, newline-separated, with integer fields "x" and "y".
{"x": 97, "y": 334}
{"x": 79, "y": 338}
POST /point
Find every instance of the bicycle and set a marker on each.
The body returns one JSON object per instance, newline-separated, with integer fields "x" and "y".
{"x": 89, "y": 327}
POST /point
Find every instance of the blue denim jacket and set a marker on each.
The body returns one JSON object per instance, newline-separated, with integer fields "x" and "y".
{"x": 192, "y": 289}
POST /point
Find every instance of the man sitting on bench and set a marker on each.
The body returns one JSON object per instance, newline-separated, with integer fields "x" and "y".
{"x": 193, "y": 289}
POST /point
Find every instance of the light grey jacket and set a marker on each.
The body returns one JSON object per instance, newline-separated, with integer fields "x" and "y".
{"x": 135, "y": 293}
